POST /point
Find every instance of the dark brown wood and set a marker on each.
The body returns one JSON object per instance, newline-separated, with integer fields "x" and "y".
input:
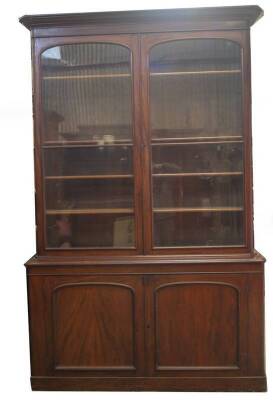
{"x": 74, "y": 310}
{"x": 144, "y": 317}
{"x": 86, "y": 325}
{"x": 41, "y": 45}
{"x": 203, "y": 303}
{"x": 148, "y": 20}
{"x": 164, "y": 384}
{"x": 148, "y": 41}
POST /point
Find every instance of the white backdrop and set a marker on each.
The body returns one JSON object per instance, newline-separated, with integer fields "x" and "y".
{"x": 17, "y": 183}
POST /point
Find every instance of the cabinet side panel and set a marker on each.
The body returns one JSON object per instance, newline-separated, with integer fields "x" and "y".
{"x": 39, "y": 326}
{"x": 256, "y": 349}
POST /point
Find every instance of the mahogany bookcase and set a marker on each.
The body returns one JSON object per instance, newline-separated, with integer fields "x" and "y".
{"x": 145, "y": 276}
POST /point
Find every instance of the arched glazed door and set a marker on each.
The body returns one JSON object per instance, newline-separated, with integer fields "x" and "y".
{"x": 89, "y": 145}
{"x": 195, "y": 136}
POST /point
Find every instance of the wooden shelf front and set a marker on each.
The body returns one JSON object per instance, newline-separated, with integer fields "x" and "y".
{"x": 204, "y": 72}
{"x": 70, "y": 177}
{"x": 84, "y": 143}
{"x": 198, "y": 174}
{"x": 220, "y": 138}
{"x": 179, "y": 73}
{"x": 197, "y": 209}
{"x": 88, "y": 76}
{"x": 196, "y": 142}
{"x": 87, "y": 211}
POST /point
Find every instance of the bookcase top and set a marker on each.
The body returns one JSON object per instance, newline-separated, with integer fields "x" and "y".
{"x": 237, "y": 17}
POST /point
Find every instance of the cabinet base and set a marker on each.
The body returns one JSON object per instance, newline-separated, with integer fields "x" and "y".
{"x": 188, "y": 384}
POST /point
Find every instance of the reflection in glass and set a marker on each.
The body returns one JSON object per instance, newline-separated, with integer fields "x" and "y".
{"x": 206, "y": 228}
{"x": 87, "y": 93}
{"x": 82, "y": 161}
{"x": 95, "y": 230}
{"x": 219, "y": 157}
{"x": 91, "y": 194}
{"x": 198, "y": 191}
{"x": 195, "y": 89}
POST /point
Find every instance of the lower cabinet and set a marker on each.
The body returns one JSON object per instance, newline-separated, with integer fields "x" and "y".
{"x": 152, "y": 325}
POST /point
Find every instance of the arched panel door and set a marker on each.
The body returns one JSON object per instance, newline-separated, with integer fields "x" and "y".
{"x": 197, "y": 324}
{"x": 90, "y": 145}
{"x": 195, "y": 132}
{"x": 87, "y": 325}
{"x": 94, "y": 327}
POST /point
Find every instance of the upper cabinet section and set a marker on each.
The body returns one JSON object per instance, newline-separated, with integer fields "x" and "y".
{"x": 143, "y": 131}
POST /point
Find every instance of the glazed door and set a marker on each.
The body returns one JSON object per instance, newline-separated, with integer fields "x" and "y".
{"x": 89, "y": 144}
{"x": 86, "y": 325}
{"x": 200, "y": 324}
{"x": 196, "y": 142}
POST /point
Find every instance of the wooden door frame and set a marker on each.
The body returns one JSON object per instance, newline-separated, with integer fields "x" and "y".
{"x": 38, "y": 46}
{"x": 147, "y": 42}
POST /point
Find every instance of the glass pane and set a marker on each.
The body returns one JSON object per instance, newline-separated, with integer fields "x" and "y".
{"x": 200, "y": 191}
{"x": 87, "y": 93}
{"x": 94, "y": 230}
{"x": 102, "y": 160}
{"x": 91, "y": 193}
{"x": 198, "y": 157}
{"x": 196, "y": 89}
{"x": 87, "y": 146}
{"x": 197, "y": 143}
{"x": 205, "y": 228}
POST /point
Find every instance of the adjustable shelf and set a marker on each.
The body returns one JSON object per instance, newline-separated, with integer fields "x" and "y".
{"x": 214, "y": 139}
{"x": 197, "y": 174}
{"x": 84, "y": 143}
{"x": 89, "y": 211}
{"x": 206, "y": 72}
{"x": 206, "y": 141}
{"x": 72, "y": 177}
{"x": 197, "y": 209}
{"x": 87, "y": 76}
{"x": 154, "y": 74}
